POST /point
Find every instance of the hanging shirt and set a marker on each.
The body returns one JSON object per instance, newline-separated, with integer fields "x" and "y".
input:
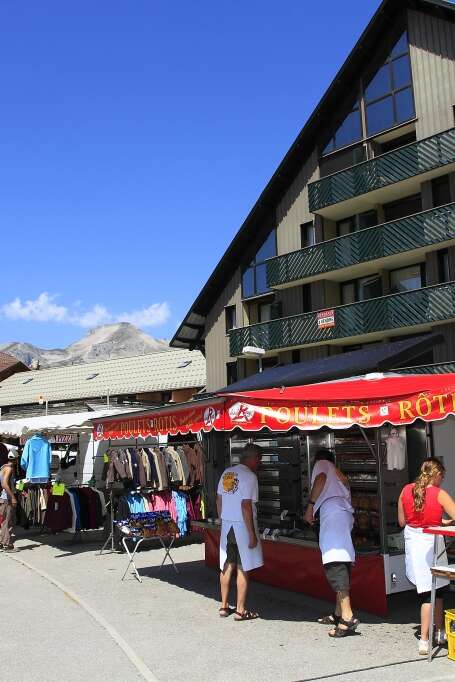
{"x": 396, "y": 451}
{"x": 36, "y": 459}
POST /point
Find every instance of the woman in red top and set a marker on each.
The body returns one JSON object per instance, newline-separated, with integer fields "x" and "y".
{"x": 422, "y": 504}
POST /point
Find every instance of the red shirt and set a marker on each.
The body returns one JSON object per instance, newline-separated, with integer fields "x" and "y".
{"x": 430, "y": 515}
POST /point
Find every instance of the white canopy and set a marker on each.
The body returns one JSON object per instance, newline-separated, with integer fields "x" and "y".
{"x": 76, "y": 422}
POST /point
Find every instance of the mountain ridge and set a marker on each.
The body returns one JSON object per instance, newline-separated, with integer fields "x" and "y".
{"x": 106, "y": 342}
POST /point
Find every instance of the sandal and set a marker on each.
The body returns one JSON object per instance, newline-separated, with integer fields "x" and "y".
{"x": 331, "y": 619}
{"x": 246, "y": 615}
{"x": 224, "y": 613}
{"x": 349, "y": 629}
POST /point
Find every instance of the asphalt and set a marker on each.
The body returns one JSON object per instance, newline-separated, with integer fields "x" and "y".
{"x": 69, "y": 617}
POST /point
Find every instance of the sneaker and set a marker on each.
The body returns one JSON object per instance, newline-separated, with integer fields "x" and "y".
{"x": 424, "y": 647}
{"x": 10, "y": 549}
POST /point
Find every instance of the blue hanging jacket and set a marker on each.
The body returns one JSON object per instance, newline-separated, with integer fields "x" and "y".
{"x": 182, "y": 511}
{"x": 36, "y": 459}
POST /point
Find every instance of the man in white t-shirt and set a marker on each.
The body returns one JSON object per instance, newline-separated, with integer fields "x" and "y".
{"x": 331, "y": 497}
{"x": 240, "y": 547}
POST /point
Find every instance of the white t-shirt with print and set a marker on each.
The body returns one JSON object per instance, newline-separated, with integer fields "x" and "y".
{"x": 237, "y": 483}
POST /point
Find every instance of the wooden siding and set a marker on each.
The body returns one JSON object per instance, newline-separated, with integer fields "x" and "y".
{"x": 216, "y": 341}
{"x": 293, "y": 210}
{"x": 432, "y": 50}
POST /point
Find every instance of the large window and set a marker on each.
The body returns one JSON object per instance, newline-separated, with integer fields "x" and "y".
{"x": 389, "y": 99}
{"x": 356, "y": 222}
{"x": 361, "y": 289}
{"x": 254, "y": 280}
{"x": 407, "y": 279}
{"x": 350, "y": 131}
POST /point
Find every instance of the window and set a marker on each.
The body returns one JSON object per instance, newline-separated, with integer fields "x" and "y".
{"x": 443, "y": 266}
{"x": 307, "y": 234}
{"x": 388, "y": 96}
{"x": 349, "y": 131}
{"x": 441, "y": 190}
{"x": 265, "y": 312}
{"x": 361, "y": 289}
{"x": 407, "y": 279}
{"x": 254, "y": 279}
{"x": 306, "y": 298}
{"x": 402, "y": 208}
{"x": 231, "y": 373}
{"x": 358, "y": 222}
{"x": 231, "y": 317}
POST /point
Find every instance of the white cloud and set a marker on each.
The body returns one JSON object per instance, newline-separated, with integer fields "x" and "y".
{"x": 92, "y": 318}
{"x": 153, "y": 316}
{"x": 44, "y": 309}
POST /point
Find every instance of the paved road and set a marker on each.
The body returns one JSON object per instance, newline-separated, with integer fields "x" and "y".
{"x": 48, "y": 637}
{"x": 171, "y": 622}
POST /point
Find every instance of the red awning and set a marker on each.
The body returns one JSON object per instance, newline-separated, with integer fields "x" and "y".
{"x": 368, "y": 401}
{"x": 192, "y": 417}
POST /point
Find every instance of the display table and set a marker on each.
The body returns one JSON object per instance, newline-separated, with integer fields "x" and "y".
{"x": 442, "y": 571}
{"x": 148, "y": 526}
{"x": 294, "y": 564}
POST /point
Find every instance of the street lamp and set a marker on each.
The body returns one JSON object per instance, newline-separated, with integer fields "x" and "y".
{"x": 254, "y": 352}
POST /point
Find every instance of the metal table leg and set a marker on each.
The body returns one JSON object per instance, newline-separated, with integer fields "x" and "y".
{"x": 131, "y": 556}
{"x": 167, "y": 550}
{"x": 433, "y": 600}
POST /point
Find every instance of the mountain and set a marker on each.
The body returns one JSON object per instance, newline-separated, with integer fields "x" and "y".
{"x": 106, "y": 342}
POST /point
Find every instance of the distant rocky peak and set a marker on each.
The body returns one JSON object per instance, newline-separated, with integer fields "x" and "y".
{"x": 106, "y": 342}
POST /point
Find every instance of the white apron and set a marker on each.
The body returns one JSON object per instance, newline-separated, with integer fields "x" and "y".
{"x": 250, "y": 558}
{"x": 335, "y": 540}
{"x": 419, "y": 558}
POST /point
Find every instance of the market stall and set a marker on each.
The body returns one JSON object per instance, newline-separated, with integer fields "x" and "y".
{"x": 379, "y": 427}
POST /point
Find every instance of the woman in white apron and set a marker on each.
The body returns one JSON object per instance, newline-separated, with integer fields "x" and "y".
{"x": 421, "y": 505}
{"x": 330, "y": 495}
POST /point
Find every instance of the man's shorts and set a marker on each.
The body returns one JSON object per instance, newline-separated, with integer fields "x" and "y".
{"x": 232, "y": 550}
{"x": 338, "y": 574}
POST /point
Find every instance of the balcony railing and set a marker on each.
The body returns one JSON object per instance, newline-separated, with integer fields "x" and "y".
{"x": 406, "y": 309}
{"x": 403, "y": 163}
{"x": 413, "y": 232}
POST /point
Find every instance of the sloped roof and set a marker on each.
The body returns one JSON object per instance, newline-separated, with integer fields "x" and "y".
{"x": 7, "y": 361}
{"x": 190, "y": 331}
{"x": 165, "y": 371}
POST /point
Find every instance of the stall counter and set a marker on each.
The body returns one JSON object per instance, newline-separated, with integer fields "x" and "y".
{"x": 295, "y": 565}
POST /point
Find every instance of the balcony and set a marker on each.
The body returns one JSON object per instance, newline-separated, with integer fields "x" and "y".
{"x": 399, "y": 167}
{"x": 411, "y": 311}
{"x": 426, "y": 229}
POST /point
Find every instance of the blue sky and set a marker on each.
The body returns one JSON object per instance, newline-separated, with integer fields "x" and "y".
{"x": 134, "y": 138}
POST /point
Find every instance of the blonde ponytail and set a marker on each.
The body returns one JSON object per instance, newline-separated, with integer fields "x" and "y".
{"x": 428, "y": 471}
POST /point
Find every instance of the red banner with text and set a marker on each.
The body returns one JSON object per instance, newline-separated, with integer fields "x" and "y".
{"x": 250, "y": 415}
{"x": 172, "y": 421}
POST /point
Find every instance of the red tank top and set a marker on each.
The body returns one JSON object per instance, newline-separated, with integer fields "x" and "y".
{"x": 430, "y": 515}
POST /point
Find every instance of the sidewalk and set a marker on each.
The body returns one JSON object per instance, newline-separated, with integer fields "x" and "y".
{"x": 171, "y": 621}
